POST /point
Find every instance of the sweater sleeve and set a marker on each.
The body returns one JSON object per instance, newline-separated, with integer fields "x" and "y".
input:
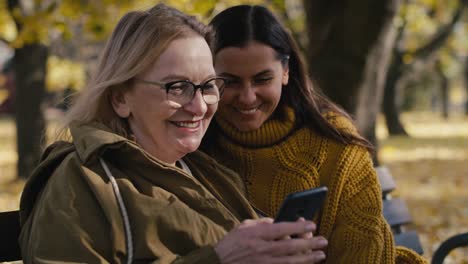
{"x": 361, "y": 234}
{"x": 408, "y": 256}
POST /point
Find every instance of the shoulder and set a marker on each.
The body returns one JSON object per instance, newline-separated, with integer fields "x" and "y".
{"x": 341, "y": 122}
{"x": 69, "y": 182}
{"x": 59, "y": 179}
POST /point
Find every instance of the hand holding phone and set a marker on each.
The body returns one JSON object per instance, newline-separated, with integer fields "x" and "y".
{"x": 301, "y": 204}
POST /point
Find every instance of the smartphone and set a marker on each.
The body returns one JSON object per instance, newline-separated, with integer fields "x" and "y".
{"x": 301, "y": 204}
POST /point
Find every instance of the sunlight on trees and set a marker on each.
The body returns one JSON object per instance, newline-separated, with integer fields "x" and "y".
{"x": 64, "y": 74}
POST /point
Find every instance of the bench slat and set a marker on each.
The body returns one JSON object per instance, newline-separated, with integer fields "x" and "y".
{"x": 395, "y": 212}
{"x": 385, "y": 179}
{"x": 409, "y": 239}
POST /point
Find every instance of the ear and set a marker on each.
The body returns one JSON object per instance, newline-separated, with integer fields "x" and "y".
{"x": 285, "y": 77}
{"x": 120, "y": 103}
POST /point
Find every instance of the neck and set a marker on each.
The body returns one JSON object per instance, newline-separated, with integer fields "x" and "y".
{"x": 271, "y": 132}
{"x": 170, "y": 156}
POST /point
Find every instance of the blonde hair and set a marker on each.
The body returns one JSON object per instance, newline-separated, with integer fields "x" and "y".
{"x": 136, "y": 42}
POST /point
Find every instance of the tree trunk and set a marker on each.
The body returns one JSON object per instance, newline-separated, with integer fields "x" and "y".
{"x": 398, "y": 70}
{"x": 372, "y": 87}
{"x": 444, "y": 89}
{"x": 30, "y": 65}
{"x": 350, "y": 45}
{"x": 466, "y": 86}
{"x": 390, "y": 104}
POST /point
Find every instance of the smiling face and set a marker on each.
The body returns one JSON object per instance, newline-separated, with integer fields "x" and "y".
{"x": 165, "y": 129}
{"x": 256, "y": 76}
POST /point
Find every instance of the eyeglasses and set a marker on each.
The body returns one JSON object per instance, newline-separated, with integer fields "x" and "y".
{"x": 182, "y": 92}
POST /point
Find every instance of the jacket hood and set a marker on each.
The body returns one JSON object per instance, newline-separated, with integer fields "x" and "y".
{"x": 89, "y": 140}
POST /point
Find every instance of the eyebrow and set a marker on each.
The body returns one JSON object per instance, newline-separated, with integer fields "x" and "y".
{"x": 263, "y": 72}
{"x": 225, "y": 74}
{"x": 173, "y": 77}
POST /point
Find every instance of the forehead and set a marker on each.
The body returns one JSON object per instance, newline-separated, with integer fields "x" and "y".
{"x": 188, "y": 56}
{"x": 248, "y": 60}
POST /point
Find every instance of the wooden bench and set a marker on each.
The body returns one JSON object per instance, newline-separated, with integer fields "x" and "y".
{"x": 454, "y": 242}
{"x": 396, "y": 213}
{"x": 9, "y": 233}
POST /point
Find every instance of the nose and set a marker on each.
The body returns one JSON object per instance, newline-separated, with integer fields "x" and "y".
{"x": 197, "y": 105}
{"x": 247, "y": 94}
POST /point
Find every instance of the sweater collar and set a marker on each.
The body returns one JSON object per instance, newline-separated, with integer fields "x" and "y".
{"x": 271, "y": 132}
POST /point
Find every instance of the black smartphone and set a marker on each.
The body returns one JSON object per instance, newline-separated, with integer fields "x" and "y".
{"x": 301, "y": 204}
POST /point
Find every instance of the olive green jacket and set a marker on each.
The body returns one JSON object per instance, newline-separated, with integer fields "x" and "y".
{"x": 70, "y": 211}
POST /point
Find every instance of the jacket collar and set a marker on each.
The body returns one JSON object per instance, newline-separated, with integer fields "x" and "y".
{"x": 92, "y": 138}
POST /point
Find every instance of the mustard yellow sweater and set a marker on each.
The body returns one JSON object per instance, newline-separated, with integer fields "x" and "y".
{"x": 278, "y": 159}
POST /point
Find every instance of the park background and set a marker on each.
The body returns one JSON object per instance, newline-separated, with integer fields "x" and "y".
{"x": 400, "y": 67}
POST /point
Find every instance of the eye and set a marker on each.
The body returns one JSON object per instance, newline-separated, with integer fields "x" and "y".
{"x": 231, "y": 83}
{"x": 178, "y": 88}
{"x": 209, "y": 85}
{"x": 262, "y": 80}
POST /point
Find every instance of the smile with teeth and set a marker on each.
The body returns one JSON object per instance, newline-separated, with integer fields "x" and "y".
{"x": 187, "y": 124}
{"x": 247, "y": 111}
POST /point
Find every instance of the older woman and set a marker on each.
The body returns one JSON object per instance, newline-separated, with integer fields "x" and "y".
{"x": 126, "y": 189}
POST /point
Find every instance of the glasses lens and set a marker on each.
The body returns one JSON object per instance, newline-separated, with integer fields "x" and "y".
{"x": 180, "y": 92}
{"x": 212, "y": 90}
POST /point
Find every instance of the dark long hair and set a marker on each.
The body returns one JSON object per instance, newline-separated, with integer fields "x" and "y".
{"x": 239, "y": 25}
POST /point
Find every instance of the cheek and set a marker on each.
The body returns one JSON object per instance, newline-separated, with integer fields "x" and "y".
{"x": 223, "y": 105}
{"x": 211, "y": 111}
{"x": 228, "y": 97}
{"x": 276, "y": 92}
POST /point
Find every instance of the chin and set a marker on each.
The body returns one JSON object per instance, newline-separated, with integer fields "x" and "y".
{"x": 188, "y": 147}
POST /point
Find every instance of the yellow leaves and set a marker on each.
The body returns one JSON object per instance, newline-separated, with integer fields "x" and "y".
{"x": 199, "y": 8}
{"x": 407, "y": 58}
{"x": 62, "y": 74}
{"x": 43, "y": 18}
{"x": 431, "y": 173}
{"x": 98, "y": 18}
{"x": 7, "y": 25}
{"x": 432, "y": 138}
{"x": 206, "y": 9}
{"x": 97, "y": 27}
{"x": 435, "y": 191}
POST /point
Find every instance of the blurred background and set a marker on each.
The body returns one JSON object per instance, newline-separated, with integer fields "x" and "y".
{"x": 400, "y": 67}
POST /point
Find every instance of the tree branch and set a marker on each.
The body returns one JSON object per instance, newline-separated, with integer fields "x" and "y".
{"x": 397, "y": 50}
{"x": 440, "y": 37}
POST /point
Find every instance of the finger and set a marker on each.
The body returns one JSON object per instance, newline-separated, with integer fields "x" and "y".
{"x": 314, "y": 257}
{"x": 294, "y": 246}
{"x": 307, "y": 235}
{"x": 278, "y": 230}
{"x": 252, "y": 222}
{"x": 319, "y": 243}
{"x": 304, "y": 235}
{"x": 266, "y": 220}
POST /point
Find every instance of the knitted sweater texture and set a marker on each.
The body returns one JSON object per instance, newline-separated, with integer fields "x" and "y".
{"x": 278, "y": 159}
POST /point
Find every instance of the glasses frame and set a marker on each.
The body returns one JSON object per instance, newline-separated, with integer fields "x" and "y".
{"x": 167, "y": 86}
